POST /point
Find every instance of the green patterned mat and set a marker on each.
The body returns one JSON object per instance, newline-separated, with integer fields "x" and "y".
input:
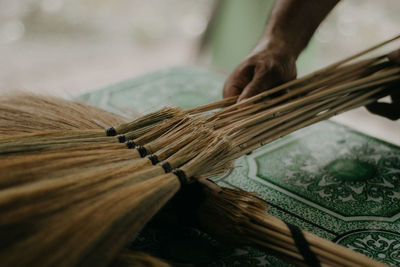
{"x": 328, "y": 179}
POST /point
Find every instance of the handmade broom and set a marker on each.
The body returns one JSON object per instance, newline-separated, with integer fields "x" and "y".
{"x": 197, "y": 165}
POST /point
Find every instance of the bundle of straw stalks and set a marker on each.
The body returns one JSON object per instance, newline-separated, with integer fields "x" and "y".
{"x": 70, "y": 191}
{"x": 213, "y": 204}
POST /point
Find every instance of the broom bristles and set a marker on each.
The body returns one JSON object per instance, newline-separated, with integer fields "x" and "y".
{"x": 73, "y": 229}
{"x": 19, "y": 113}
{"x": 31, "y": 168}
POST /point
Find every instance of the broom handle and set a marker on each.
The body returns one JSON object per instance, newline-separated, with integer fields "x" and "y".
{"x": 299, "y": 123}
{"x": 244, "y": 134}
{"x": 264, "y": 140}
{"x": 295, "y": 118}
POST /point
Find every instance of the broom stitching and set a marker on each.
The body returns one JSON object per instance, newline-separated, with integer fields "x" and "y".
{"x": 181, "y": 176}
{"x": 142, "y": 150}
{"x": 121, "y": 138}
{"x": 130, "y": 144}
{"x": 153, "y": 158}
{"x": 111, "y": 131}
{"x": 166, "y": 166}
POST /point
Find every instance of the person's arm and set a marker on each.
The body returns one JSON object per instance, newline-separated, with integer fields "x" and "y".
{"x": 273, "y": 61}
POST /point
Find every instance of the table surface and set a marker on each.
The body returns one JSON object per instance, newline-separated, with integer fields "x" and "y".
{"x": 328, "y": 179}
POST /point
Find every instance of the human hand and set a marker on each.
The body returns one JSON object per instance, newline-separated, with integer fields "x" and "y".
{"x": 389, "y": 110}
{"x": 261, "y": 70}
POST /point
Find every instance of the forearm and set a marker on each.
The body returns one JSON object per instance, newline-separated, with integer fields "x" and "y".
{"x": 292, "y": 24}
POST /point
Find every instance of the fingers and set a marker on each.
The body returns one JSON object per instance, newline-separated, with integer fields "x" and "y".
{"x": 267, "y": 77}
{"x": 260, "y": 73}
{"x": 390, "y": 111}
{"x": 231, "y": 89}
{"x": 263, "y": 80}
{"x": 238, "y": 80}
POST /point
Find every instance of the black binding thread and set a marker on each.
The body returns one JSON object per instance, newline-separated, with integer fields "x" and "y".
{"x": 111, "y": 131}
{"x": 153, "y": 158}
{"x": 130, "y": 144}
{"x": 302, "y": 245}
{"x": 166, "y": 166}
{"x": 142, "y": 151}
{"x": 121, "y": 138}
{"x": 181, "y": 176}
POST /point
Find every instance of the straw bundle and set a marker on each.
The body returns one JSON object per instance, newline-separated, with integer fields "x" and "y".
{"x": 78, "y": 202}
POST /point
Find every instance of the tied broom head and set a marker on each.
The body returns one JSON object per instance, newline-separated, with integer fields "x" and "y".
{"x": 26, "y": 112}
{"x": 78, "y": 124}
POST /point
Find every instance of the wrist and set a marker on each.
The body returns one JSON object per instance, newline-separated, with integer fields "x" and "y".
{"x": 276, "y": 45}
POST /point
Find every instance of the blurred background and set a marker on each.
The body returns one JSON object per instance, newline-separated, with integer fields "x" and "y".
{"x": 70, "y": 47}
